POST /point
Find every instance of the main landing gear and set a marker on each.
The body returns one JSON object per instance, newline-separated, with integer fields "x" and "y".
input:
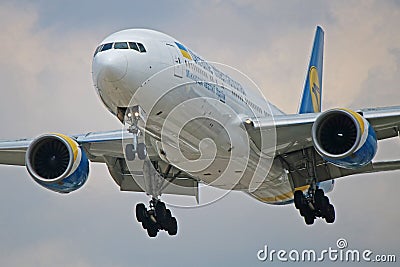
{"x": 156, "y": 218}
{"x": 133, "y": 115}
{"x": 314, "y": 204}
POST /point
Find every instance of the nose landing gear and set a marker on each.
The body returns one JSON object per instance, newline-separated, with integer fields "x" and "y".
{"x": 132, "y": 117}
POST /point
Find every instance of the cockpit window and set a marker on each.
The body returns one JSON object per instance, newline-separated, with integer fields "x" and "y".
{"x": 141, "y": 47}
{"x": 106, "y": 47}
{"x": 97, "y": 50}
{"x": 133, "y": 46}
{"x": 121, "y": 45}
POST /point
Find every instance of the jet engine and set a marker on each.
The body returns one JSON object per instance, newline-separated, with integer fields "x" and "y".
{"x": 57, "y": 162}
{"x": 344, "y": 138}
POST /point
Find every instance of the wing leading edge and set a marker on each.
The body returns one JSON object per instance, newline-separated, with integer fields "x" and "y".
{"x": 293, "y": 132}
{"x": 106, "y": 147}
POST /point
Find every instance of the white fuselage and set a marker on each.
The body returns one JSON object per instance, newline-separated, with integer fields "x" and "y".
{"x": 187, "y": 101}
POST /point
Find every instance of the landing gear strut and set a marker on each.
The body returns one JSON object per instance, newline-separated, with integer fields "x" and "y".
{"x": 156, "y": 218}
{"x": 133, "y": 115}
{"x": 314, "y": 204}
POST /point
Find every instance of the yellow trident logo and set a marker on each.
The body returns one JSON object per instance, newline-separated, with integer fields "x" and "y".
{"x": 315, "y": 89}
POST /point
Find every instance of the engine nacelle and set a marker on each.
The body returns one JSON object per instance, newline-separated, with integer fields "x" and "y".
{"x": 57, "y": 162}
{"x": 344, "y": 138}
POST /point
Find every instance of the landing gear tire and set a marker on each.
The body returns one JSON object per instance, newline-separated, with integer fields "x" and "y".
{"x": 146, "y": 222}
{"x": 321, "y": 203}
{"x": 167, "y": 220}
{"x": 319, "y": 198}
{"x": 330, "y": 214}
{"x": 298, "y": 199}
{"x": 158, "y": 217}
{"x": 141, "y": 151}
{"x": 173, "y": 227}
{"x": 161, "y": 211}
{"x": 313, "y": 205}
{"x": 302, "y": 211}
{"x": 152, "y": 229}
{"x": 169, "y": 214}
{"x": 130, "y": 152}
{"x": 309, "y": 217}
{"x": 141, "y": 212}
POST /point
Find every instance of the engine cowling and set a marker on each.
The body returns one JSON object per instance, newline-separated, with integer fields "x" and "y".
{"x": 344, "y": 138}
{"x": 57, "y": 162}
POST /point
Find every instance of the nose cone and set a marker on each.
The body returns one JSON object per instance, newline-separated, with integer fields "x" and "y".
{"x": 110, "y": 66}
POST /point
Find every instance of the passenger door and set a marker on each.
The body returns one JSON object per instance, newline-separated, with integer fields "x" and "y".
{"x": 176, "y": 60}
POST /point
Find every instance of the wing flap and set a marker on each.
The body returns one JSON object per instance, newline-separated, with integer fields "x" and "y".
{"x": 295, "y": 164}
{"x": 386, "y": 121}
{"x": 135, "y": 181}
{"x": 293, "y": 132}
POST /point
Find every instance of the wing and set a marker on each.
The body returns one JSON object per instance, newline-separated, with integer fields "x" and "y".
{"x": 107, "y": 147}
{"x": 12, "y": 152}
{"x": 96, "y": 145}
{"x": 294, "y": 137}
{"x": 293, "y": 132}
{"x": 385, "y": 121}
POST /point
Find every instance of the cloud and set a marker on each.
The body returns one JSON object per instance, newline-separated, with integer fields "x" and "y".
{"x": 359, "y": 42}
{"x": 46, "y": 74}
{"x": 48, "y": 253}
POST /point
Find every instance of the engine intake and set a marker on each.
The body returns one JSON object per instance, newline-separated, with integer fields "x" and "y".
{"x": 57, "y": 162}
{"x": 344, "y": 138}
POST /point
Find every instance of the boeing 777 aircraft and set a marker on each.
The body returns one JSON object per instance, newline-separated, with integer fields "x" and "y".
{"x": 185, "y": 122}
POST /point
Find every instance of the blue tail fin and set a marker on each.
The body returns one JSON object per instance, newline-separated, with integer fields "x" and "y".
{"x": 311, "y": 98}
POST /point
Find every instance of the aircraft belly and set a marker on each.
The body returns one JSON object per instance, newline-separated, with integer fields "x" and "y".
{"x": 196, "y": 141}
{"x": 276, "y": 188}
{"x": 197, "y": 133}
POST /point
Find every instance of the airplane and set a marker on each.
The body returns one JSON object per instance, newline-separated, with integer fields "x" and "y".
{"x": 186, "y": 123}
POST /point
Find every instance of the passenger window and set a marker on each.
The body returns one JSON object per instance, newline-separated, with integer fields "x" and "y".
{"x": 106, "y": 47}
{"x": 120, "y": 45}
{"x": 133, "y": 46}
{"x": 141, "y": 47}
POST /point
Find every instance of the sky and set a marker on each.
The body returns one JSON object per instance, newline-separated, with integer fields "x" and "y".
{"x": 45, "y": 68}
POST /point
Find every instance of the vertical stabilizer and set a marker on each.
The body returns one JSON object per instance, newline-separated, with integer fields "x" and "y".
{"x": 312, "y": 93}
